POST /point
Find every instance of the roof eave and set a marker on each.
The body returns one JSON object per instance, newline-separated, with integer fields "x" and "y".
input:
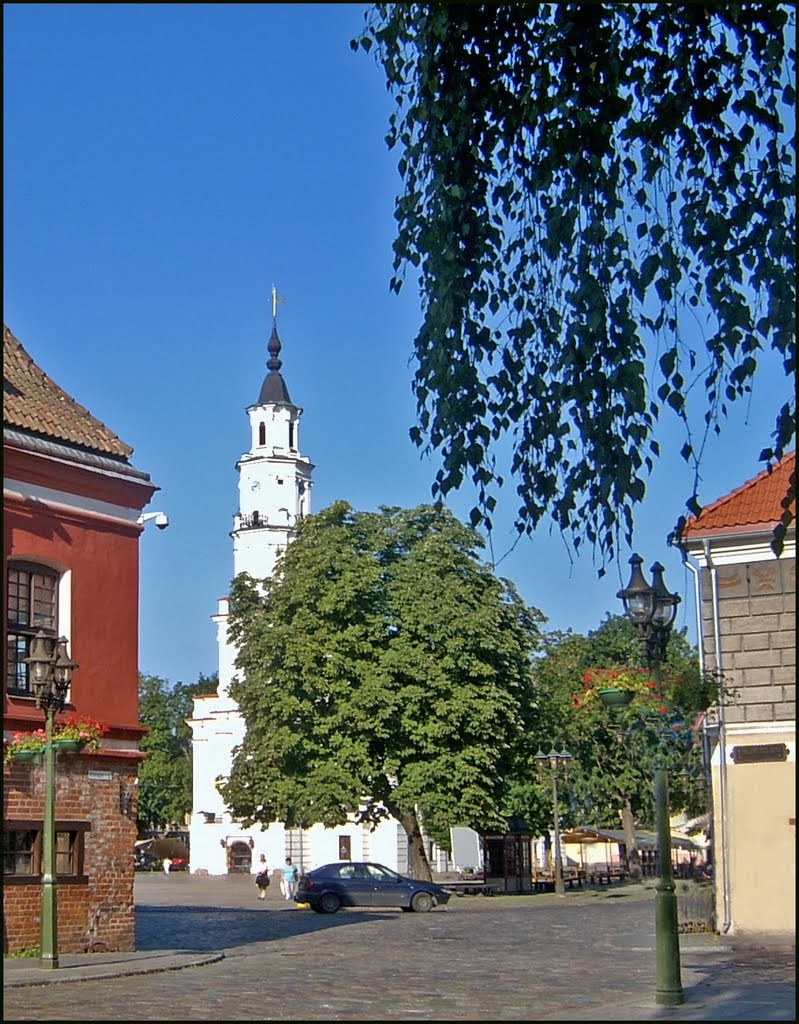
{"x": 95, "y": 461}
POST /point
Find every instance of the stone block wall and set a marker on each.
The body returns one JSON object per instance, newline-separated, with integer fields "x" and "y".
{"x": 757, "y": 617}
{"x": 96, "y": 794}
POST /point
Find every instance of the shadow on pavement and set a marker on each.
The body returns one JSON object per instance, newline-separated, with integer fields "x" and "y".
{"x": 204, "y": 928}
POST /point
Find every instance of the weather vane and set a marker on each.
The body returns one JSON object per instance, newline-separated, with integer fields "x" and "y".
{"x": 276, "y": 300}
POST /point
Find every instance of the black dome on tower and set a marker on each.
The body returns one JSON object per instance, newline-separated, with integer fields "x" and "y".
{"x": 273, "y": 389}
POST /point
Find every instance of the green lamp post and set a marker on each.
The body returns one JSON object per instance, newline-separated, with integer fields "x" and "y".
{"x": 555, "y": 763}
{"x": 51, "y": 671}
{"x": 652, "y": 610}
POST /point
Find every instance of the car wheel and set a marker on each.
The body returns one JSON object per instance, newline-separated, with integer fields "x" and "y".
{"x": 329, "y": 903}
{"x": 422, "y": 902}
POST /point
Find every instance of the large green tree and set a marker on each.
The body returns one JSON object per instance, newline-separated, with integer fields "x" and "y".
{"x": 615, "y": 751}
{"x": 385, "y": 669}
{"x": 599, "y": 202}
{"x": 165, "y": 776}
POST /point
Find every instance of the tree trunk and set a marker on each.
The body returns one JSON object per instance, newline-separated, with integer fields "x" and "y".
{"x": 633, "y": 856}
{"x": 420, "y": 866}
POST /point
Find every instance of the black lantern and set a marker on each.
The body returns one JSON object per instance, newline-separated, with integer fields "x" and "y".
{"x": 40, "y": 665}
{"x": 51, "y": 670}
{"x": 650, "y": 608}
{"x": 554, "y": 760}
{"x": 63, "y": 667}
{"x": 638, "y": 596}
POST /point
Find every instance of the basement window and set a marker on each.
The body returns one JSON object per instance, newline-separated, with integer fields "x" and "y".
{"x": 22, "y": 851}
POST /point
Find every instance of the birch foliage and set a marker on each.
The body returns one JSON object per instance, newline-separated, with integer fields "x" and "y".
{"x": 598, "y": 204}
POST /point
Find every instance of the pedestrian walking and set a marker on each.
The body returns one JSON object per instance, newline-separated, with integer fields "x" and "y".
{"x": 262, "y": 878}
{"x": 288, "y": 883}
{"x": 167, "y": 863}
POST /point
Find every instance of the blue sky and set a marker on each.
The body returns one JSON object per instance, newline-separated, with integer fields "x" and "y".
{"x": 164, "y": 165}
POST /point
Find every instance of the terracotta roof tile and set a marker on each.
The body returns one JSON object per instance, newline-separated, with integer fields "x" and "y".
{"x": 755, "y": 505}
{"x": 32, "y": 402}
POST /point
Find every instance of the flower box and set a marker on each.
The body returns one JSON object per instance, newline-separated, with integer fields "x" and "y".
{"x": 70, "y": 737}
{"x": 69, "y": 746}
{"x": 613, "y": 697}
{"x": 26, "y": 756}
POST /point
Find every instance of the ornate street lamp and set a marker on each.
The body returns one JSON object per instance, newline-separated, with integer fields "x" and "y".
{"x": 51, "y": 672}
{"x": 553, "y": 764}
{"x": 652, "y": 610}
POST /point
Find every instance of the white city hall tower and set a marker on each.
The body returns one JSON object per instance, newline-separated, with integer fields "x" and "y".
{"x": 274, "y": 493}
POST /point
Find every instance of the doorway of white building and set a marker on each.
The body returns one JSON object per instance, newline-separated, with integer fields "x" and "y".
{"x": 239, "y": 859}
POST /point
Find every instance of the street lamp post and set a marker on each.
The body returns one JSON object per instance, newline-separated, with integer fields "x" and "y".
{"x": 554, "y": 763}
{"x": 652, "y": 610}
{"x": 51, "y": 671}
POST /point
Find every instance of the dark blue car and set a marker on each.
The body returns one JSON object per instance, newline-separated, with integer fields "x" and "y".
{"x": 362, "y": 884}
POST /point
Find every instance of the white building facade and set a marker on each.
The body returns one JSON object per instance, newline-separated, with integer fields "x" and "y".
{"x": 274, "y": 493}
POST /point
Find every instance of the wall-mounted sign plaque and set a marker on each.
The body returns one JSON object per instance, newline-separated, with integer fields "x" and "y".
{"x": 754, "y": 753}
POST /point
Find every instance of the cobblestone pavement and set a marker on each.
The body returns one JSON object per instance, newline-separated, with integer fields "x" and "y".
{"x": 586, "y": 956}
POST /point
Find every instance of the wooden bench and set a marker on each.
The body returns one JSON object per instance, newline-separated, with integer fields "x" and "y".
{"x": 468, "y": 887}
{"x": 605, "y": 877}
{"x": 544, "y": 881}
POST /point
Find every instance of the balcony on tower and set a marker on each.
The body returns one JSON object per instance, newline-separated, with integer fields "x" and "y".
{"x": 250, "y": 521}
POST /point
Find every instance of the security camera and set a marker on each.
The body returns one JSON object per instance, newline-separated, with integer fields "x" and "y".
{"x": 160, "y": 519}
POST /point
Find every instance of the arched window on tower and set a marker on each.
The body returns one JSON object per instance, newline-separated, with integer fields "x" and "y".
{"x": 262, "y": 434}
{"x": 291, "y": 436}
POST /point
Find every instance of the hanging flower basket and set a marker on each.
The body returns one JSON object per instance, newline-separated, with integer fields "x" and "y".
{"x": 69, "y": 746}
{"x": 71, "y": 736}
{"x": 77, "y": 729}
{"x": 614, "y": 697}
{"x": 23, "y": 746}
{"x": 25, "y": 756}
{"x": 614, "y": 685}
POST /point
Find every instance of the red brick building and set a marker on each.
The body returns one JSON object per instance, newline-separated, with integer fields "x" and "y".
{"x": 71, "y": 500}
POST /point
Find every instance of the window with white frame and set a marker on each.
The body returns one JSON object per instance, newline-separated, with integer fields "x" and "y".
{"x": 32, "y": 606}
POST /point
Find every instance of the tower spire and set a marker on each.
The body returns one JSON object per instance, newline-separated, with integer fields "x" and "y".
{"x": 274, "y": 387}
{"x": 273, "y": 363}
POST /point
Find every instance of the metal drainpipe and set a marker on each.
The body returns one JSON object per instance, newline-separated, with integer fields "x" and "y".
{"x": 725, "y": 857}
{"x": 700, "y": 637}
{"x": 698, "y": 606}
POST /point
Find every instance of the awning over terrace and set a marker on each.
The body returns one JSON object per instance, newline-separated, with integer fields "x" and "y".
{"x": 646, "y": 840}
